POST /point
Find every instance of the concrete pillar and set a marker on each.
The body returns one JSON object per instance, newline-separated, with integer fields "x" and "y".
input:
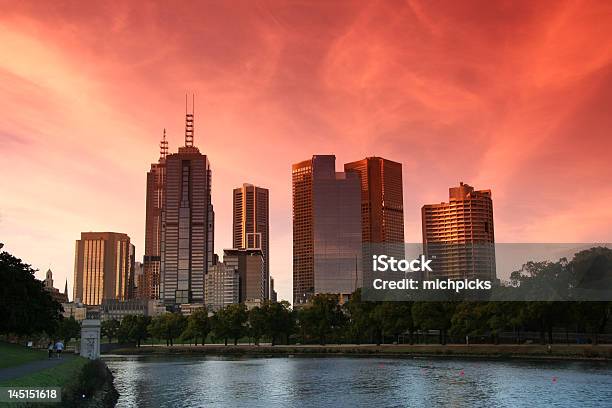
{"x": 90, "y": 339}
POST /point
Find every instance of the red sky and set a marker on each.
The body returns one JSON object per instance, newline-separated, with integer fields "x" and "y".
{"x": 501, "y": 95}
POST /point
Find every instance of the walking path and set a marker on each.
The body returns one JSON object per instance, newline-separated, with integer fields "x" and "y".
{"x": 10, "y": 373}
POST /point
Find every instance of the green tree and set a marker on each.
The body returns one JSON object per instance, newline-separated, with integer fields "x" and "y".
{"x": 230, "y": 322}
{"x": 136, "y": 328}
{"x": 322, "y": 317}
{"x": 25, "y": 306}
{"x": 594, "y": 316}
{"x": 258, "y": 322}
{"x": 434, "y": 316}
{"x": 198, "y": 326}
{"x": 362, "y": 319}
{"x": 280, "y": 320}
{"x": 167, "y": 326}
{"x": 68, "y": 328}
{"x": 238, "y": 316}
{"x": 110, "y": 329}
{"x": 394, "y": 318}
{"x": 468, "y": 320}
{"x": 220, "y": 325}
{"x": 591, "y": 274}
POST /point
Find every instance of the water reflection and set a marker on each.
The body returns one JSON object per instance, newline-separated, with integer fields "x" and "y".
{"x": 296, "y": 382}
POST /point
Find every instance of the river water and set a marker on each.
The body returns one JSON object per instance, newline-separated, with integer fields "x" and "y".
{"x": 174, "y": 381}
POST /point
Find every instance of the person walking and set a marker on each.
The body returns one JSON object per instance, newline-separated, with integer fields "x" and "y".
{"x": 59, "y": 347}
{"x": 50, "y": 349}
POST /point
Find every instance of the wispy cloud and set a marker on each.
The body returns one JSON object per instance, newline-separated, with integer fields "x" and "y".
{"x": 509, "y": 96}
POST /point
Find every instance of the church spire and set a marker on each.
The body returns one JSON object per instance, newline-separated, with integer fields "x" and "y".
{"x": 189, "y": 122}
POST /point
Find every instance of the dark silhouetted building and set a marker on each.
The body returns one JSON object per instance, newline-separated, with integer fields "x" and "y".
{"x": 156, "y": 182}
{"x": 55, "y": 293}
{"x": 273, "y": 294}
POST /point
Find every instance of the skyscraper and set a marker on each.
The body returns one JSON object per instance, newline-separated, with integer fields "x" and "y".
{"x": 156, "y": 184}
{"x": 222, "y": 286}
{"x": 382, "y": 206}
{"x": 251, "y": 225}
{"x": 458, "y": 235}
{"x": 273, "y": 294}
{"x": 102, "y": 267}
{"x": 187, "y": 241}
{"x": 138, "y": 290}
{"x": 250, "y": 265}
{"x": 326, "y": 229}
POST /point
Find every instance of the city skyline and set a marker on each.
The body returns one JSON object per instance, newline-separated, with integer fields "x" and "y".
{"x": 480, "y": 104}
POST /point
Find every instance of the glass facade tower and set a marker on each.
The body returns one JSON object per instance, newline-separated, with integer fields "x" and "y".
{"x": 326, "y": 229}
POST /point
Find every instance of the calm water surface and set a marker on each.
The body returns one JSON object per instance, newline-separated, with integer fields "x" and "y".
{"x": 355, "y": 382}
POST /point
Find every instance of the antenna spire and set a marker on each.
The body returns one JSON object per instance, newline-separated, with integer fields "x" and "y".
{"x": 163, "y": 147}
{"x": 189, "y": 122}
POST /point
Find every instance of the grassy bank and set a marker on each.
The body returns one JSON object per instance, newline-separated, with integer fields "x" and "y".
{"x": 571, "y": 352}
{"x": 57, "y": 376}
{"x": 16, "y": 354}
{"x": 84, "y": 383}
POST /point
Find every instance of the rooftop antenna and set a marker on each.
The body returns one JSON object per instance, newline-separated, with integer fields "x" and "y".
{"x": 189, "y": 122}
{"x": 163, "y": 147}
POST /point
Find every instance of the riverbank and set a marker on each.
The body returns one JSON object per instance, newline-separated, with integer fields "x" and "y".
{"x": 476, "y": 351}
{"x": 84, "y": 383}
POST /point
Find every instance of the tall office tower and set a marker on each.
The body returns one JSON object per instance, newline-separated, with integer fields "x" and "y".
{"x": 102, "y": 265}
{"x": 250, "y": 265}
{"x": 326, "y": 229}
{"x": 273, "y": 294}
{"x": 382, "y": 206}
{"x": 458, "y": 235}
{"x": 251, "y": 227}
{"x": 139, "y": 281}
{"x": 132, "y": 273}
{"x": 156, "y": 185}
{"x": 187, "y": 241}
{"x": 222, "y": 286}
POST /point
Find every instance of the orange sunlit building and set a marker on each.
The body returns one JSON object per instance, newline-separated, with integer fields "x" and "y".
{"x": 251, "y": 227}
{"x": 382, "y": 207}
{"x": 103, "y": 264}
{"x": 459, "y": 236}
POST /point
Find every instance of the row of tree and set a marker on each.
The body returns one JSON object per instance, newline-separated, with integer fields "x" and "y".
{"x": 273, "y": 320}
{"x": 26, "y": 309}
{"x": 326, "y": 321}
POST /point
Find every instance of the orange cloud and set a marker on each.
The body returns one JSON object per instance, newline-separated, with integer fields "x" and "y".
{"x": 512, "y": 97}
